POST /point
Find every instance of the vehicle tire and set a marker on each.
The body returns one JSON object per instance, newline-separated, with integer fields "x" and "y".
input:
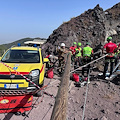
{"x": 23, "y": 114}
{"x": 18, "y": 113}
{"x": 39, "y": 93}
{"x": 42, "y": 84}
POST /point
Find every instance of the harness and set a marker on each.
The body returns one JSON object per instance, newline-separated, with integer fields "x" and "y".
{"x": 78, "y": 52}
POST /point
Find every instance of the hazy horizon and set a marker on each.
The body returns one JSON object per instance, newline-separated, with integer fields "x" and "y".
{"x": 29, "y": 18}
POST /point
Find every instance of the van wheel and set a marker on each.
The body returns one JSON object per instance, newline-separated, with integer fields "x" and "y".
{"x": 24, "y": 114}
{"x": 18, "y": 113}
{"x": 39, "y": 93}
{"x": 41, "y": 84}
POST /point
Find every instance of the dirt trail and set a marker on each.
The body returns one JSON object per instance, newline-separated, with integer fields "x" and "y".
{"x": 103, "y": 100}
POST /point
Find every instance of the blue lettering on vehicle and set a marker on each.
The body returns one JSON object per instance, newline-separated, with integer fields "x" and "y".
{"x": 15, "y": 68}
{"x": 5, "y": 86}
{"x": 17, "y": 86}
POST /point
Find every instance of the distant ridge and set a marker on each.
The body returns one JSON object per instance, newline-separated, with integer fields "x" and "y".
{"x": 21, "y": 41}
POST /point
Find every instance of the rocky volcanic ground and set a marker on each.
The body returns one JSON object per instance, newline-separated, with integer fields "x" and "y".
{"x": 103, "y": 101}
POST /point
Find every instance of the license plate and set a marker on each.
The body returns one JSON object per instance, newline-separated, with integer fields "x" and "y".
{"x": 10, "y": 86}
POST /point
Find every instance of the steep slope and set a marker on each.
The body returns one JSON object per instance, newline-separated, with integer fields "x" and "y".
{"x": 93, "y": 25}
{"x": 113, "y": 21}
{"x": 89, "y": 26}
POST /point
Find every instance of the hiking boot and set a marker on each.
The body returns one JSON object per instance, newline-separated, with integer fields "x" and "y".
{"x": 107, "y": 78}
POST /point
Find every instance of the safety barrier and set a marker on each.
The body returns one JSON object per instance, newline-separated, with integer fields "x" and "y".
{"x": 89, "y": 63}
{"x": 60, "y": 107}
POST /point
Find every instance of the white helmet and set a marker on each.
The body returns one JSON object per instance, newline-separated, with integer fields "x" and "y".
{"x": 50, "y": 56}
{"x": 62, "y": 44}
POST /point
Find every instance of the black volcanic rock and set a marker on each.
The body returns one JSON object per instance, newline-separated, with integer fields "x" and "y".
{"x": 114, "y": 12}
{"x": 91, "y": 26}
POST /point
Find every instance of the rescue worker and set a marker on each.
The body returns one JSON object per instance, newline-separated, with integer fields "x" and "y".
{"x": 118, "y": 51}
{"x": 87, "y": 53}
{"x": 52, "y": 62}
{"x": 72, "y": 49}
{"x": 117, "y": 55}
{"x": 110, "y": 48}
{"x": 57, "y": 49}
{"x": 48, "y": 64}
{"x": 78, "y": 56}
{"x": 61, "y": 57}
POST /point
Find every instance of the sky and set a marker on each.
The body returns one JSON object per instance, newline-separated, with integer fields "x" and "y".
{"x": 39, "y": 18}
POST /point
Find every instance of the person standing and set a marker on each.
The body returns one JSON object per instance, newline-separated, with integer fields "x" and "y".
{"x": 72, "y": 49}
{"x": 61, "y": 57}
{"x": 118, "y": 50}
{"x": 87, "y": 52}
{"x": 78, "y": 56}
{"x": 110, "y": 49}
{"x": 117, "y": 55}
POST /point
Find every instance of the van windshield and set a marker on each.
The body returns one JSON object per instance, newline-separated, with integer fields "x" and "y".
{"x": 21, "y": 56}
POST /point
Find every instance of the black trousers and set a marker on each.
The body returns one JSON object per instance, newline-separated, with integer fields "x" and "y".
{"x": 108, "y": 60}
{"x": 78, "y": 62}
{"x": 72, "y": 58}
{"x": 85, "y": 61}
{"x": 61, "y": 64}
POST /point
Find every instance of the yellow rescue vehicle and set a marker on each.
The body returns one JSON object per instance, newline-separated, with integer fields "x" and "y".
{"x": 21, "y": 61}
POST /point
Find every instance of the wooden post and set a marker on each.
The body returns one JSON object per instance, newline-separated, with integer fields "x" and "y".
{"x": 60, "y": 107}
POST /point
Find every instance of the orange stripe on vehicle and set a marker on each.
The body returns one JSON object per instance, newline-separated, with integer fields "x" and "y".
{"x": 9, "y": 73}
{"x": 42, "y": 69}
{"x": 24, "y": 73}
{"x": 4, "y": 73}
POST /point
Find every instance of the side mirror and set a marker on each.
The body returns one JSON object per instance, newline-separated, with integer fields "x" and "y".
{"x": 0, "y": 58}
{"x": 46, "y": 60}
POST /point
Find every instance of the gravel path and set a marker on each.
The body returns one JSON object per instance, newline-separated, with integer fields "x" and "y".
{"x": 103, "y": 101}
